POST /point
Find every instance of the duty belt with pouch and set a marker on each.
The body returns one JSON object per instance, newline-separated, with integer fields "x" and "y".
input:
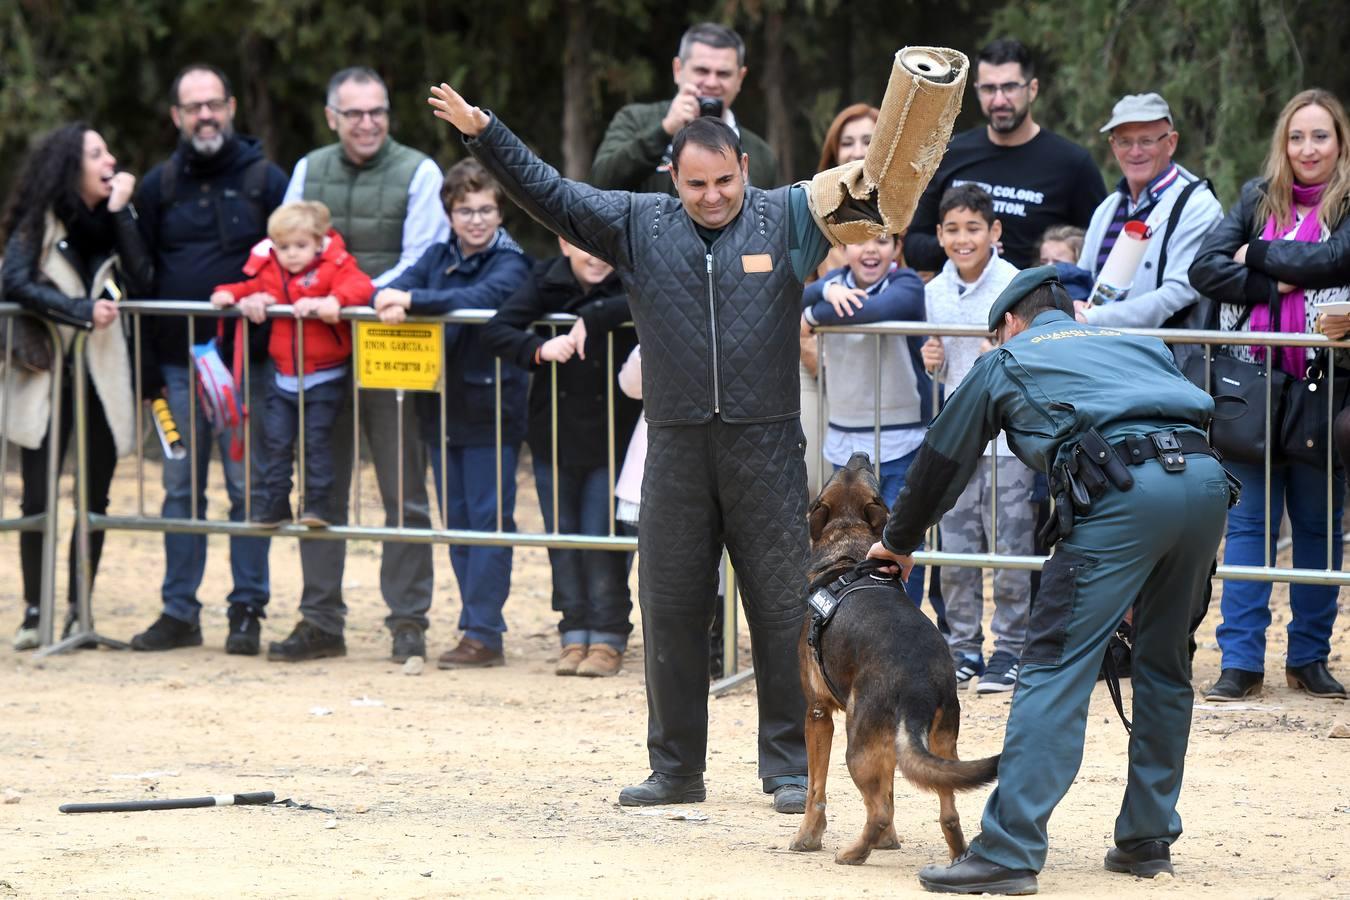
{"x": 825, "y": 602}
{"x": 1091, "y": 464}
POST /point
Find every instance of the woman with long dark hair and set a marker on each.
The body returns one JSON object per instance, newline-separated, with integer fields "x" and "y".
{"x": 1280, "y": 251}
{"x": 72, "y": 248}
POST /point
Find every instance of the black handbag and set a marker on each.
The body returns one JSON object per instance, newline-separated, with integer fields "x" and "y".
{"x": 1308, "y": 412}
{"x": 1241, "y": 438}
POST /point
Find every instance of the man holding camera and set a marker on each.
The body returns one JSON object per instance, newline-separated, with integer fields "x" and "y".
{"x": 635, "y": 154}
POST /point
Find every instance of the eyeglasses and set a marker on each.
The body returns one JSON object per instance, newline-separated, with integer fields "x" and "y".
{"x": 1007, "y": 88}
{"x": 354, "y": 116}
{"x": 195, "y": 109}
{"x": 1145, "y": 144}
{"x": 468, "y": 213}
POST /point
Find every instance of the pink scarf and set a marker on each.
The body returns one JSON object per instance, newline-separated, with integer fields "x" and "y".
{"x": 1293, "y": 315}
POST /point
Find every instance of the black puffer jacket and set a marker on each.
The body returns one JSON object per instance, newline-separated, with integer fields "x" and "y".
{"x": 583, "y": 421}
{"x": 1215, "y": 274}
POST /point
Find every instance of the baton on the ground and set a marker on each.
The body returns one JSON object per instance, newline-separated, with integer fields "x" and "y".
{"x": 259, "y": 798}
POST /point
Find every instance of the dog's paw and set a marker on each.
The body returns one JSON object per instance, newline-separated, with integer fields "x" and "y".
{"x": 805, "y": 844}
{"x": 851, "y": 857}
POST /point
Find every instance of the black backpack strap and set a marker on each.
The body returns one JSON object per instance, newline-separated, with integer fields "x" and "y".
{"x": 1173, "y": 218}
{"x": 168, "y": 182}
{"x": 255, "y": 187}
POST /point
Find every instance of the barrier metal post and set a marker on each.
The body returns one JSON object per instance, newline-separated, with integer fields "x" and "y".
{"x": 84, "y": 632}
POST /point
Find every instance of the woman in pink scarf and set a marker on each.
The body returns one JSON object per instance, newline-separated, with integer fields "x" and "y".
{"x": 1282, "y": 249}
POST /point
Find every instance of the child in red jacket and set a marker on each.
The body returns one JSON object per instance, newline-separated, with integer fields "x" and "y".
{"x": 305, "y": 264}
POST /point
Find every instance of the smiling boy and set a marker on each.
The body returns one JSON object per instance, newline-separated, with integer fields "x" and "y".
{"x": 961, "y": 294}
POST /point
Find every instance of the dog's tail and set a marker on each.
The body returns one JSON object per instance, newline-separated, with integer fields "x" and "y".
{"x": 926, "y": 770}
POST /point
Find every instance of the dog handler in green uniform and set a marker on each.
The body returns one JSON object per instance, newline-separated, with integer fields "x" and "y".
{"x": 1140, "y": 502}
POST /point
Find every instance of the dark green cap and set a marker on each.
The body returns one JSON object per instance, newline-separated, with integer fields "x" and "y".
{"x": 1024, "y": 283}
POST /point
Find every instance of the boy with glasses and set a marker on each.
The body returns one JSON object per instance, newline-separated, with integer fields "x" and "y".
{"x": 479, "y": 267}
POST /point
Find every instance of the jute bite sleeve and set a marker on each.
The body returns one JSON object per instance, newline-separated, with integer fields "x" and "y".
{"x": 866, "y": 198}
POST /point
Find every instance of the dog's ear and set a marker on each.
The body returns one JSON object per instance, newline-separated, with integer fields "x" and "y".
{"x": 818, "y": 517}
{"x": 876, "y": 515}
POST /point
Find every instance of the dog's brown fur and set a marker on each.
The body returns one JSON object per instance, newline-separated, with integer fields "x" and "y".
{"x": 893, "y": 668}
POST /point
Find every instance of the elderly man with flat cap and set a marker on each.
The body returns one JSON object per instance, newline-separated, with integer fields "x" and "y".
{"x": 1140, "y": 500}
{"x": 1178, "y": 206}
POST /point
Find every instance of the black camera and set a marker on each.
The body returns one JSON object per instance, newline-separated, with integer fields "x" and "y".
{"x": 710, "y": 106}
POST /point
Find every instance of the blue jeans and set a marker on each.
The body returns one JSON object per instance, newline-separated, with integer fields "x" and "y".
{"x": 281, "y": 422}
{"x": 590, "y": 587}
{"x": 185, "y": 554}
{"x": 892, "y": 483}
{"x": 483, "y": 573}
{"x": 1246, "y": 604}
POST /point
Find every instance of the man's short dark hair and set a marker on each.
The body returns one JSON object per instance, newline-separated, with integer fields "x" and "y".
{"x": 708, "y": 133}
{"x": 1007, "y": 50}
{"x": 713, "y": 35}
{"x": 967, "y": 196}
{"x": 1047, "y": 296}
{"x": 359, "y": 74}
{"x": 198, "y": 67}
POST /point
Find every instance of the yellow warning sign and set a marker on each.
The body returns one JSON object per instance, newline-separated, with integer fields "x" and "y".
{"x": 393, "y": 357}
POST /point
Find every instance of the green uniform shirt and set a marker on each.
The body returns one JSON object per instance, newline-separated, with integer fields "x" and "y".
{"x": 1045, "y": 388}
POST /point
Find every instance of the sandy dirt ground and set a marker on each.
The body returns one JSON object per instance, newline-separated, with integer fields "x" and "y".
{"x": 504, "y": 782}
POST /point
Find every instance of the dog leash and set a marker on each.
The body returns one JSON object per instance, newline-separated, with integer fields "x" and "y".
{"x": 1113, "y": 679}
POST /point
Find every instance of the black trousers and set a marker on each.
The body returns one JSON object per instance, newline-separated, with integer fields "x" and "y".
{"x": 705, "y": 486}
{"x": 102, "y": 458}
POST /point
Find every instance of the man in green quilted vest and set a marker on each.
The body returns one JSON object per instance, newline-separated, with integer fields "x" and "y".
{"x": 385, "y": 201}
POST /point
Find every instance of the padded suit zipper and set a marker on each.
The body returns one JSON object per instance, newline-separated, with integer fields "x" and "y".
{"x": 712, "y": 336}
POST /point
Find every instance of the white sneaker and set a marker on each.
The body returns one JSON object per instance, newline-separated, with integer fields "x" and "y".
{"x": 26, "y": 638}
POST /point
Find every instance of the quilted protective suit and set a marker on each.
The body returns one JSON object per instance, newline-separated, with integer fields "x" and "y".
{"x": 719, "y": 331}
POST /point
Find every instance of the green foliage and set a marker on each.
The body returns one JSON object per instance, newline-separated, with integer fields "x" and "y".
{"x": 1226, "y": 67}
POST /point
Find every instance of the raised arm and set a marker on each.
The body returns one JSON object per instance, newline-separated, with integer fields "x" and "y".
{"x": 592, "y": 219}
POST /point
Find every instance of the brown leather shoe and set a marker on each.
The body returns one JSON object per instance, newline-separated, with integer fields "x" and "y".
{"x": 571, "y": 657}
{"x": 471, "y": 654}
{"x": 601, "y": 661}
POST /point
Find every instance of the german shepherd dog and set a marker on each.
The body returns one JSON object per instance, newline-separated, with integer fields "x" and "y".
{"x": 895, "y": 675}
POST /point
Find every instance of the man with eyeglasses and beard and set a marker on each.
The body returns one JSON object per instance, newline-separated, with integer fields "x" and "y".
{"x": 201, "y": 210}
{"x": 1036, "y": 177}
{"x": 385, "y": 201}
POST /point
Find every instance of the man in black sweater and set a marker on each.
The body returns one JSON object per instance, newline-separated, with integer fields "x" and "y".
{"x": 1037, "y": 178}
{"x": 201, "y": 210}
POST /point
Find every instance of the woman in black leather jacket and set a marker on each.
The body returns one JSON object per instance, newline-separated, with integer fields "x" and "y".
{"x": 72, "y": 247}
{"x": 1287, "y": 240}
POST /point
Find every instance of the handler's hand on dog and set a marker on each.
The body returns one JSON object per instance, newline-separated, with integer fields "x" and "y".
{"x": 904, "y": 562}
{"x": 453, "y": 108}
{"x": 844, "y": 300}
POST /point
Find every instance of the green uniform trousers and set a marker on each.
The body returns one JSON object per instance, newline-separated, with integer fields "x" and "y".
{"x": 1155, "y": 542}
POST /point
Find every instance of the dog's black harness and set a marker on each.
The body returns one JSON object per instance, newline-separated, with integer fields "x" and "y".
{"x": 826, "y": 600}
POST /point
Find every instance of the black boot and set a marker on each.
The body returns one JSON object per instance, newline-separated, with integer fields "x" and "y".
{"x": 1145, "y": 861}
{"x": 168, "y": 633}
{"x": 306, "y": 642}
{"x": 972, "y": 874}
{"x": 660, "y": 789}
{"x": 1235, "y": 684}
{"x": 409, "y": 641}
{"x": 245, "y": 631}
{"x": 1315, "y": 679}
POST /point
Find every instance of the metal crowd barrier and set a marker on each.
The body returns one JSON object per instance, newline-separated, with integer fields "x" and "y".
{"x": 140, "y": 521}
